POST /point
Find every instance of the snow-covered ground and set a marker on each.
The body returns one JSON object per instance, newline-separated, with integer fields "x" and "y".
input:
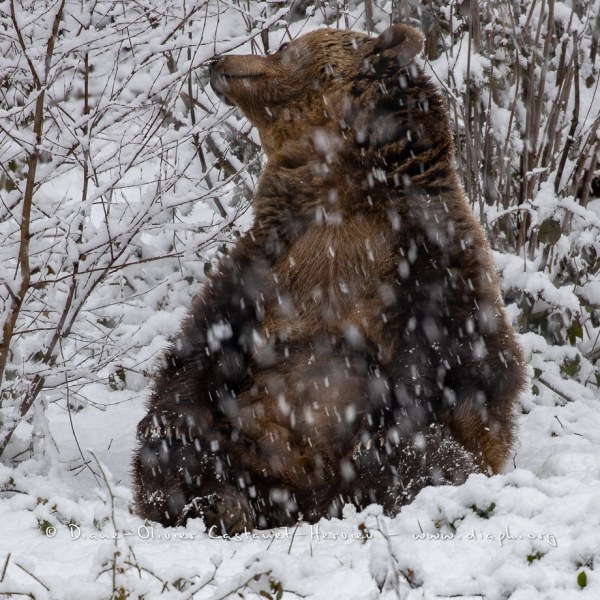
{"x": 534, "y": 532}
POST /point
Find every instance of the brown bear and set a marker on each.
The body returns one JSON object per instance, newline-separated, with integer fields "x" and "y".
{"x": 353, "y": 347}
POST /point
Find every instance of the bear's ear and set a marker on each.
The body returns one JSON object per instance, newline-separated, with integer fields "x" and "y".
{"x": 402, "y": 41}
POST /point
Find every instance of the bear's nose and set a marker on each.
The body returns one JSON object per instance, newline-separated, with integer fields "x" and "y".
{"x": 218, "y": 81}
{"x": 212, "y": 64}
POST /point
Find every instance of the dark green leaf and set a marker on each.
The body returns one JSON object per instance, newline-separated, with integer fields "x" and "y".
{"x": 549, "y": 232}
{"x": 575, "y": 331}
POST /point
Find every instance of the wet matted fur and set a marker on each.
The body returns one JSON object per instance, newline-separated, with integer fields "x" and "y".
{"x": 353, "y": 347}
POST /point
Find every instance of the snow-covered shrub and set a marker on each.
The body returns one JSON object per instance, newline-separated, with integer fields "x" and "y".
{"x": 522, "y": 83}
{"x": 112, "y": 177}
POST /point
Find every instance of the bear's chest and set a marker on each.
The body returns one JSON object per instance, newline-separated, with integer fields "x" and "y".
{"x": 331, "y": 270}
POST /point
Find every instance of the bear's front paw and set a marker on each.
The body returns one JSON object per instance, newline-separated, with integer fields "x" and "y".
{"x": 171, "y": 426}
{"x": 225, "y": 512}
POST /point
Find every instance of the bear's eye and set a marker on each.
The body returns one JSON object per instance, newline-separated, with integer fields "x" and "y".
{"x": 283, "y": 47}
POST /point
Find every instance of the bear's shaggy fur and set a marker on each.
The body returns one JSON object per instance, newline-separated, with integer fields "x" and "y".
{"x": 353, "y": 347}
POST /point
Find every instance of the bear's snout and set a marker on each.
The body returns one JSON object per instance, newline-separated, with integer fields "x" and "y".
{"x": 212, "y": 63}
{"x": 219, "y": 80}
{"x": 215, "y": 70}
{"x": 236, "y": 77}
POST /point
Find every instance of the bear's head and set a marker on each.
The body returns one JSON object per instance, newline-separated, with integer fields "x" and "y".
{"x": 319, "y": 82}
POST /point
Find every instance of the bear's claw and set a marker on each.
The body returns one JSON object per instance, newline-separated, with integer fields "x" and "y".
{"x": 226, "y": 513}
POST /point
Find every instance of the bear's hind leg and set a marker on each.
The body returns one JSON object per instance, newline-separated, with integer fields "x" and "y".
{"x": 224, "y": 510}
{"x": 177, "y": 479}
{"x": 393, "y": 468}
{"x": 485, "y": 429}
